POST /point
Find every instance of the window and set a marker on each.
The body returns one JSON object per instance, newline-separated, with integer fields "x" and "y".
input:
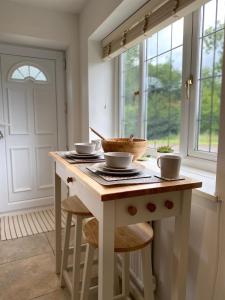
{"x": 130, "y": 92}
{"x": 156, "y": 101}
{"x": 163, "y": 63}
{"x": 210, "y": 42}
{"x": 27, "y": 72}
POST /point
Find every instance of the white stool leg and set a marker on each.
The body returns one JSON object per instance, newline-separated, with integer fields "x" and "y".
{"x": 65, "y": 248}
{"x": 147, "y": 273}
{"x": 76, "y": 258}
{"x": 89, "y": 257}
{"x": 116, "y": 276}
{"x": 126, "y": 275}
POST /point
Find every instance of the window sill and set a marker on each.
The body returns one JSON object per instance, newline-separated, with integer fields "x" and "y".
{"x": 208, "y": 179}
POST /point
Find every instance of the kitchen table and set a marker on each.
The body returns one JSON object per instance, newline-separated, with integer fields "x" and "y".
{"x": 111, "y": 206}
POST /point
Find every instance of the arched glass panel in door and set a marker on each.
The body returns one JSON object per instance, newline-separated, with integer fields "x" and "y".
{"x": 25, "y": 72}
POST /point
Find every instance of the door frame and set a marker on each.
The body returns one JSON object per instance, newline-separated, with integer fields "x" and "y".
{"x": 61, "y": 101}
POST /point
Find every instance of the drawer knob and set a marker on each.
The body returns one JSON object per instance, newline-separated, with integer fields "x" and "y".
{"x": 151, "y": 207}
{"x": 169, "y": 204}
{"x": 132, "y": 210}
{"x": 69, "y": 179}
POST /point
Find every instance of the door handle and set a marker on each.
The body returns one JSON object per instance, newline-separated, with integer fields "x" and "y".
{"x": 1, "y": 135}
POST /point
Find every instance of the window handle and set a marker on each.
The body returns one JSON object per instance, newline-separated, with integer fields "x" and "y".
{"x": 187, "y": 86}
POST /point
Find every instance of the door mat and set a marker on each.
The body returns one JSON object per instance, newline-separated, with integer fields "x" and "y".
{"x": 28, "y": 223}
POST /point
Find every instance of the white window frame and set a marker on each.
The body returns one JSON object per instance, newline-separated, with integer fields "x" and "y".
{"x": 188, "y": 106}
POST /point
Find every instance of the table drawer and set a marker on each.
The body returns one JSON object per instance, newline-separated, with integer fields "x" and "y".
{"x": 67, "y": 176}
{"x": 147, "y": 208}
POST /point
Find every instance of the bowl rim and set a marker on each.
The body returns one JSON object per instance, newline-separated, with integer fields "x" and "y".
{"x": 83, "y": 144}
{"x": 122, "y": 140}
{"x": 119, "y": 154}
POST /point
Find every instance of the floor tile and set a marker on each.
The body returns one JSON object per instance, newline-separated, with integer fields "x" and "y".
{"x": 51, "y": 237}
{"x": 23, "y": 248}
{"x": 28, "y": 278}
{"x": 60, "y": 294}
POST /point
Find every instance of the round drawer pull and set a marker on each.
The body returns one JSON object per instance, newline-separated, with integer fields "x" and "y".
{"x": 132, "y": 210}
{"x": 169, "y": 204}
{"x": 151, "y": 207}
{"x": 69, "y": 179}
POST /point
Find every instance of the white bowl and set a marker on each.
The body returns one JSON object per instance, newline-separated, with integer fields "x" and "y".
{"x": 84, "y": 148}
{"x": 120, "y": 160}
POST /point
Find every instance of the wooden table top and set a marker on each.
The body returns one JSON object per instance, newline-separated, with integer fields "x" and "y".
{"x": 106, "y": 193}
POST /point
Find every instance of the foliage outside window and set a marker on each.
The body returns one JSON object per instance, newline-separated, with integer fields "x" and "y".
{"x": 211, "y": 43}
{"x": 153, "y": 78}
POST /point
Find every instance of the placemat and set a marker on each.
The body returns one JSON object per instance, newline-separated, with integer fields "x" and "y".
{"x": 80, "y": 161}
{"x": 102, "y": 181}
{"x": 145, "y": 173}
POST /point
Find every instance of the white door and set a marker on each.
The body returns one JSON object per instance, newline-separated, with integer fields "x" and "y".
{"x": 30, "y": 130}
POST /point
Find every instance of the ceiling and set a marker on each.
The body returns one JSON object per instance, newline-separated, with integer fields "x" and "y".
{"x": 68, "y": 6}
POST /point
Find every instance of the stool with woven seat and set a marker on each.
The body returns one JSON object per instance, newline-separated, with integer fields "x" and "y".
{"x": 127, "y": 239}
{"x": 73, "y": 207}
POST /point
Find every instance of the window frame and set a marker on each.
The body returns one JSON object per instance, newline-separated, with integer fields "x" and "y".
{"x": 188, "y": 106}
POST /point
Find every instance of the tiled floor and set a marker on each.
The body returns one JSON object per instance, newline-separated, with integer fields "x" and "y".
{"x": 27, "y": 269}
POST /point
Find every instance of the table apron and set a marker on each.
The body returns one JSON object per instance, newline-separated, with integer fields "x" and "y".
{"x": 122, "y": 216}
{"x": 81, "y": 190}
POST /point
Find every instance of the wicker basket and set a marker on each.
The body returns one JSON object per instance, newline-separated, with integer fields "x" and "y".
{"x": 137, "y": 147}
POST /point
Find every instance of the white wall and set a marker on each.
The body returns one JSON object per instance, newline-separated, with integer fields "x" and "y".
{"x": 203, "y": 251}
{"x": 91, "y": 18}
{"x": 101, "y": 91}
{"x": 99, "y": 18}
{"x": 24, "y": 25}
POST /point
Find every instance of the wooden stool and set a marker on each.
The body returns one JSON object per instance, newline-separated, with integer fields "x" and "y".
{"x": 73, "y": 207}
{"x": 127, "y": 239}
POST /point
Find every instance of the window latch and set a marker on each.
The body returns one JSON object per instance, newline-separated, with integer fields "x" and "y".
{"x": 187, "y": 86}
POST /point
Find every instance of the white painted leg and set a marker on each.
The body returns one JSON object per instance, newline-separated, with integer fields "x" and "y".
{"x": 76, "y": 258}
{"x": 126, "y": 274}
{"x": 66, "y": 248}
{"x": 147, "y": 273}
{"x": 89, "y": 257}
{"x": 181, "y": 241}
{"x": 106, "y": 251}
{"x": 58, "y": 242}
{"x": 116, "y": 276}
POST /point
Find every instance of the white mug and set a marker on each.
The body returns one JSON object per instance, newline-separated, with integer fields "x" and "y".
{"x": 98, "y": 144}
{"x": 169, "y": 166}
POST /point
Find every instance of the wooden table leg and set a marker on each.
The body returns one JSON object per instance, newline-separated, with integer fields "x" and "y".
{"x": 58, "y": 242}
{"x": 181, "y": 242}
{"x": 106, "y": 251}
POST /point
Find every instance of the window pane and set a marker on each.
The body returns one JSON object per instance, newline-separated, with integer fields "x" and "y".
{"x": 131, "y": 57}
{"x": 220, "y": 14}
{"x": 17, "y": 75}
{"x": 164, "y": 88}
{"x": 177, "y": 33}
{"x": 130, "y": 91}
{"x": 164, "y": 40}
{"x": 209, "y": 77}
{"x": 34, "y": 71}
{"x": 131, "y": 82}
{"x": 209, "y": 17}
{"x": 41, "y": 77}
{"x": 219, "y": 52}
{"x": 207, "y": 55}
{"x": 24, "y": 70}
{"x": 131, "y": 116}
{"x": 204, "y": 115}
{"x": 152, "y": 46}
